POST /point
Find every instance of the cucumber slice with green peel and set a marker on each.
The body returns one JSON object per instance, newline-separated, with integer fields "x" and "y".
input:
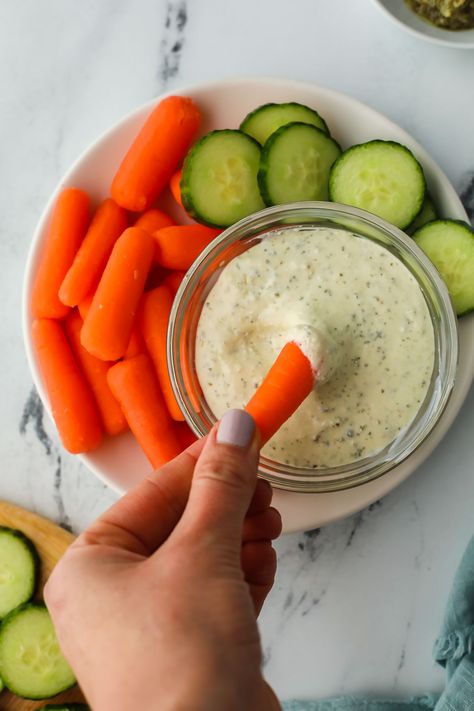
{"x": 31, "y": 662}
{"x": 382, "y": 177}
{"x": 450, "y": 246}
{"x": 219, "y": 181}
{"x": 427, "y": 214}
{"x": 295, "y": 164}
{"x": 64, "y": 707}
{"x": 19, "y": 567}
{"x": 265, "y": 120}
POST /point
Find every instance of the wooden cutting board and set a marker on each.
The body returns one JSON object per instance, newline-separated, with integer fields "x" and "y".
{"x": 51, "y": 541}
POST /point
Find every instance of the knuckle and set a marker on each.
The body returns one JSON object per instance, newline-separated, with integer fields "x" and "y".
{"x": 227, "y": 470}
{"x": 53, "y": 591}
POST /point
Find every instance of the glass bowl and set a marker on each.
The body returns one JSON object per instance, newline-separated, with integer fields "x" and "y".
{"x": 204, "y": 273}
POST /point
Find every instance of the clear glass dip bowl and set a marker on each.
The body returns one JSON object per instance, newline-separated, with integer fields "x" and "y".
{"x": 242, "y": 236}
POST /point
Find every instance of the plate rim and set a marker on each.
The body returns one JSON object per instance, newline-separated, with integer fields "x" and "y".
{"x": 292, "y": 522}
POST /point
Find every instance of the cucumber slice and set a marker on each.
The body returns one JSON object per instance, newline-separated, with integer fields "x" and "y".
{"x": 266, "y": 119}
{"x": 64, "y": 707}
{"x": 382, "y": 177}
{"x": 427, "y": 214}
{"x": 19, "y": 566}
{"x": 295, "y": 164}
{"x": 219, "y": 182}
{"x": 31, "y": 663}
{"x": 450, "y": 246}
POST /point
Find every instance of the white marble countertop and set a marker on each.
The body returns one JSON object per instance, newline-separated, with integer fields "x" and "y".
{"x": 357, "y": 605}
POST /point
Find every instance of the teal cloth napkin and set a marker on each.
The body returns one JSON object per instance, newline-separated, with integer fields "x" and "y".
{"x": 454, "y": 650}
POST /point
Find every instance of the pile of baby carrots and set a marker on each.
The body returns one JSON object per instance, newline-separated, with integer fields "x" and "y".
{"x": 103, "y": 291}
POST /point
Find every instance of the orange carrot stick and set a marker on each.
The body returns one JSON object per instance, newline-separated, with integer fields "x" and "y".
{"x": 153, "y": 220}
{"x": 153, "y": 319}
{"x": 136, "y": 345}
{"x": 95, "y": 372}
{"x": 66, "y": 232}
{"x": 109, "y": 321}
{"x": 185, "y": 434}
{"x": 173, "y": 281}
{"x": 288, "y": 382}
{"x": 72, "y": 403}
{"x": 175, "y": 186}
{"x": 177, "y": 247}
{"x": 85, "y": 305}
{"x": 107, "y": 225}
{"x": 134, "y": 384}
{"x": 156, "y": 153}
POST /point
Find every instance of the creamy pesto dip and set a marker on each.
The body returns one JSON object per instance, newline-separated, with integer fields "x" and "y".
{"x": 356, "y": 311}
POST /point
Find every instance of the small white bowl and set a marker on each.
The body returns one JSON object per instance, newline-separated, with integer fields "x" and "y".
{"x": 402, "y": 15}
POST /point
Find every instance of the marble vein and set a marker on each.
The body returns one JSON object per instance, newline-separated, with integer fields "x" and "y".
{"x": 64, "y": 519}
{"x": 33, "y": 412}
{"x": 173, "y": 40}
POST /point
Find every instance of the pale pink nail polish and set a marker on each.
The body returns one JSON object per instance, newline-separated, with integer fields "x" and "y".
{"x": 236, "y": 428}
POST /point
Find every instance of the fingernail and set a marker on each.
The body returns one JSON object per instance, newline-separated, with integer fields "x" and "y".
{"x": 236, "y": 428}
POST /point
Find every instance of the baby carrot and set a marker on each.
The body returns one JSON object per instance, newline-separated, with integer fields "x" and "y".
{"x": 177, "y": 247}
{"x": 288, "y": 382}
{"x": 72, "y": 403}
{"x": 153, "y": 318}
{"x": 185, "y": 434}
{"x": 156, "y": 153}
{"x": 175, "y": 186}
{"x": 156, "y": 276}
{"x": 85, "y": 305}
{"x": 136, "y": 344}
{"x": 134, "y": 384}
{"x": 95, "y": 372}
{"x": 153, "y": 220}
{"x": 107, "y": 225}
{"x": 66, "y": 232}
{"x": 173, "y": 281}
{"x": 109, "y": 321}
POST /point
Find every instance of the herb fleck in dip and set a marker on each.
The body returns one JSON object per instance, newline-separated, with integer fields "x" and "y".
{"x": 297, "y": 284}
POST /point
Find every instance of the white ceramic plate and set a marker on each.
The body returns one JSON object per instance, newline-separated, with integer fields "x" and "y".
{"x": 400, "y": 13}
{"x": 119, "y": 462}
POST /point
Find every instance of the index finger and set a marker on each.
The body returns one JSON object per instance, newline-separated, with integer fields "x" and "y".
{"x": 144, "y": 518}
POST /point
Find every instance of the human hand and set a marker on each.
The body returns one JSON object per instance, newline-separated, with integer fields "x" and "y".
{"x": 155, "y": 604}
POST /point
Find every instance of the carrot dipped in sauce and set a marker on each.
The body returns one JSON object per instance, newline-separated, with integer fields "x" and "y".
{"x": 288, "y": 382}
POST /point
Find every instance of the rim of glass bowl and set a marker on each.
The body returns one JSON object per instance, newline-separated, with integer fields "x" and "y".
{"x": 204, "y": 273}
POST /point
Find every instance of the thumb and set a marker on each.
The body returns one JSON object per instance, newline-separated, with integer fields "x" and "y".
{"x": 224, "y": 481}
